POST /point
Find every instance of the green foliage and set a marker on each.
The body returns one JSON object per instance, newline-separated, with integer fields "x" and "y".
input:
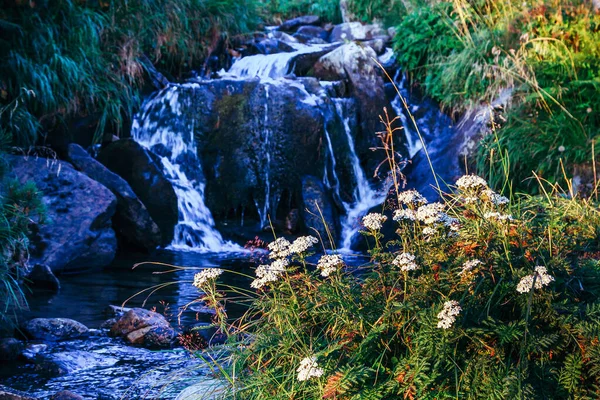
{"x": 547, "y": 52}
{"x": 66, "y": 58}
{"x": 386, "y": 11}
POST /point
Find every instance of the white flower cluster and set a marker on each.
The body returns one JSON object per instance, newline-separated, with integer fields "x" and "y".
{"x": 374, "y": 221}
{"x": 329, "y": 263}
{"x": 269, "y": 273}
{"x": 431, "y": 213}
{"x": 309, "y": 369}
{"x": 301, "y": 244}
{"x": 469, "y": 265}
{"x": 466, "y": 182}
{"x": 470, "y": 200}
{"x": 280, "y": 248}
{"x": 495, "y": 198}
{"x": 496, "y": 216}
{"x": 541, "y": 277}
{"x": 429, "y": 231}
{"x": 406, "y": 262}
{"x": 448, "y": 315}
{"x": 206, "y": 275}
{"x": 405, "y": 214}
{"x": 411, "y": 197}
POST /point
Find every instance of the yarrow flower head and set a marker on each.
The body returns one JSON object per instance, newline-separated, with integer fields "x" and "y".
{"x": 468, "y": 266}
{"x": 541, "y": 278}
{"x": 431, "y": 213}
{"x": 374, "y": 221}
{"x": 411, "y": 197}
{"x": 448, "y": 315}
{"x": 405, "y": 214}
{"x": 474, "y": 182}
{"x": 269, "y": 273}
{"x": 496, "y": 216}
{"x": 429, "y": 231}
{"x": 280, "y": 248}
{"x": 309, "y": 369}
{"x": 201, "y": 278}
{"x": 301, "y": 244}
{"x": 406, "y": 262}
{"x": 494, "y": 198}
{"x": 329, "y": 263}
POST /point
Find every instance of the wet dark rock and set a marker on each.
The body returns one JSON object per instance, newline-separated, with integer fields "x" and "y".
{"x": 67, "y": 362}
{"x": 140, "y": 326}
{"x": 109, "y": 323}
{"x": 317, "y": 201}
{"x": 41, "y": 277}
{"x": 10, "y": 349}
{"x": 66, "y": 395}
{"x": 266, "y": 46}
{"x": 292, "y": 25}
{"x": 143, "y": 171}
{"x": 7, "y": 393}
{"x": 132, "y": 221}
{"x": 312, "y": 32}
{"x": 54, "y": 329}
{"x": 350, "y": 31}
{"x": 77, "y": 234}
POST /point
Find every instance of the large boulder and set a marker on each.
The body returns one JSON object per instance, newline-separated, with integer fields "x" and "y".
{"x": 54, "y": 329}
{"x": 132, "y": 221}
{"x": 148, "y": 328}
{"x": 77, "y": 234}
{"x": 355, "y": 31}
{"x": 319, "y": 213}
{"x": 291, "y": 25}
{"x": 143, "y": 171}
{"x": 255, "y": 141}
{"x": 355, "y": 63}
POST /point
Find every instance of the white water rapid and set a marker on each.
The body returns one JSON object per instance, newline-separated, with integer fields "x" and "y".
{"x": 152, "y": 127}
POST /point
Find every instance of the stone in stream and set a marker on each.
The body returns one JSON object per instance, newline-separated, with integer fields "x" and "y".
{"x": 41, "y": 277}
{"x": 54, "y": 329}
{"x": 148, "y": 328}
{"x": 66, "y": 395}
{"x": 7, "y": 393}
{"x": 10, "y": 349}
{"x": 132, "y": 221}
{"x": 291, "y": 25}
{"x": 77, "y": 234}
{"x": 311, "y": 32}
{"x": 317, "y": 201}
{"x": 355, "y": 31}
{"x": 143, "y": 171}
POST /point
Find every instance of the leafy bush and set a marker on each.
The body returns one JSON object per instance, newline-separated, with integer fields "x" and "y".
{"x": 279, "y": 10}
{"x": 68, "y": 58}
{"x": 475, "y": 298}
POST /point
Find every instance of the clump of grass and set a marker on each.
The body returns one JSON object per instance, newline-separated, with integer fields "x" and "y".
{"x": 82, "y": 59}
{"x": 19, "y": 204}
{"x": 547, "y": 52}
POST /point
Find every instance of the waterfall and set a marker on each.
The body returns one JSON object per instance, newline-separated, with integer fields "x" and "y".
{"x": 270, "y": 66}
{"x": 267, "y": 134}
{"x": 413, "y": 142}
{"x": 161, "y": 128}
{"x": 364, "y": 197}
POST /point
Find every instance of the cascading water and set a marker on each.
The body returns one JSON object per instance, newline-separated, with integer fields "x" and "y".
{"x": 413, "y": 142}
{"x": 363, "y": 197}
{"x": 154, "y": 128}
{"x": 267, "y": 135}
